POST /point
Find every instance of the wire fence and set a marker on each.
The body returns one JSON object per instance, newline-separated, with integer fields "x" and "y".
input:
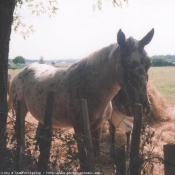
{"x": 63, "y": 153}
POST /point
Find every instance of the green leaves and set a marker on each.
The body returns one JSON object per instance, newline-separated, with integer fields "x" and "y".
{"x": 34, "y": 7}
{"x": 19, "y": 60}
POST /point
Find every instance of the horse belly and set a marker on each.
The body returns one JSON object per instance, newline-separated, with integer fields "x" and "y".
{"x": 36, "y": 104}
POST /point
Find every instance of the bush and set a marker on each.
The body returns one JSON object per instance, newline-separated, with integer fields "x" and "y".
{"x": 161, "y": 61}
{"x": 19, "y": 60}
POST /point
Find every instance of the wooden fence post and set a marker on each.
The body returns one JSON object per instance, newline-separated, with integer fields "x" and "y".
{"x": 117, "y": 153}
{"x": 87, "y": 137}
{"x": 120, "y": 161}
{"x": 169, "y": 157}
{"x": 134, "y": 165}
{"x": 20, "y": 132}
{"x": 46, "y": 134}
{"x": 38, "y": 136}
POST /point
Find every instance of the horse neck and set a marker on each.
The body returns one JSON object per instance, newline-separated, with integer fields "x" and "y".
{"x": 104, "y": 67}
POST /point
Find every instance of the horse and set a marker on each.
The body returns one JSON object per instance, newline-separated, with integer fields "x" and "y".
{"x": 97, "y": 78}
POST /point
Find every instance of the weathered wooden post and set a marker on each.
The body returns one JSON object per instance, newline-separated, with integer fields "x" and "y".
{"x": 117, "y": 153}
{"x": 20, "y": 133}
{"x": 134, "y": 165}
{"x": 38, "y": 136}
{"x": 120, "y": 161}
{"x": 169, "y": 157}
{"x": 87, "y": 137}
{"x": 45, "y": 135}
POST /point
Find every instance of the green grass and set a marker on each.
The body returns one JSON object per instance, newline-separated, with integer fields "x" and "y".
{"x": 16, "y": 67}
{"x": 13, "y": 72}
{"x": 163, "y": 78}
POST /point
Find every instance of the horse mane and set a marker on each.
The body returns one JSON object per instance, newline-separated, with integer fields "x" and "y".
{"x": 96, "y": 57}
{"x": 104, "y": 54}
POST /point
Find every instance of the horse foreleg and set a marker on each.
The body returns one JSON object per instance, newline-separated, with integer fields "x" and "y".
{"x": 96, "y": 136}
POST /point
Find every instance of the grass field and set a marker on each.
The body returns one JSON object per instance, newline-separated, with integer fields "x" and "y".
{"x": 13, "y": 72}
{"x": 163, "y": 78}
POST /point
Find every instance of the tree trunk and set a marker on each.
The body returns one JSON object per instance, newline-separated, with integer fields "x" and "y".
{"x": 6, "y": 19}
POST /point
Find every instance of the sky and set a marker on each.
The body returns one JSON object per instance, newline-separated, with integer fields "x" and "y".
{"x": 78, "y": 30}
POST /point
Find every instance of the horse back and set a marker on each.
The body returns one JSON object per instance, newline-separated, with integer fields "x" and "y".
{"x": 31, "y": 85}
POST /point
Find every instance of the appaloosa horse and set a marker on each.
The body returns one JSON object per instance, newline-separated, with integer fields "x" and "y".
{"x": 97, "y": 78}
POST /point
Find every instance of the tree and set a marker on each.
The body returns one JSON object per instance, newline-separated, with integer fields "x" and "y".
{"x": 53, "y": 63}
{"x": 161, "y": 60}
{"x": 19, "y": 60}
{"x": 41, "y": 61}
{"x": 6, "y": 18}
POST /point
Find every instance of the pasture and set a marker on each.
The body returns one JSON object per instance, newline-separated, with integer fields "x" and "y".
{"x": 163, "y": 78}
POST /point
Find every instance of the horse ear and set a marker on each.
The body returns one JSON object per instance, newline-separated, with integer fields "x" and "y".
{"x": 121, "y": 38}
{"x": 146, "y": 39}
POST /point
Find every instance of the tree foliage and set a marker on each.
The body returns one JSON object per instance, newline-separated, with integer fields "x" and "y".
{"x": 49, "y": 7}
{"x": 41, "y": 60}
{"x": 19, "y": 60}
{"x": 35, "y": 7}
{"x": 98, "y": 4}
{"x": 163, "y": 60}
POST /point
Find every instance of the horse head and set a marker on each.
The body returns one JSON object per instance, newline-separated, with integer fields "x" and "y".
{"x": 134, "y": 67}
